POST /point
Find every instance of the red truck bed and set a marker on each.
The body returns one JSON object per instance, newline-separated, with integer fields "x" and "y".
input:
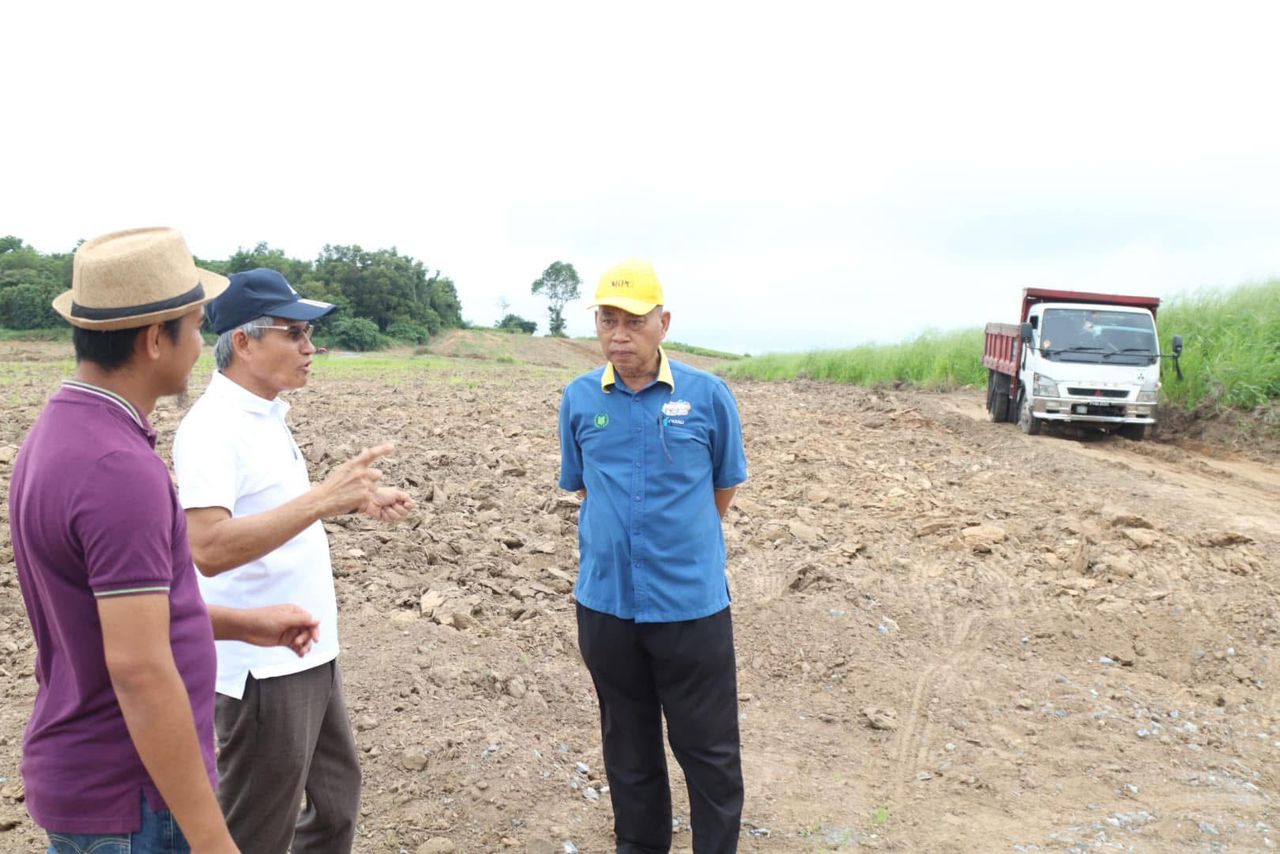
{"x": 1031, "y": 296}
{"x": 1003, "y": 349}
{"x": 1001, "y": 352}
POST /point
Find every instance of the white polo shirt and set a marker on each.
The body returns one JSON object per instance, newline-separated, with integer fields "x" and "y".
{"x": 234, "y": 450}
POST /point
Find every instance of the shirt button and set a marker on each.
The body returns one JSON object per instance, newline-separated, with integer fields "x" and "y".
{"x": 637, "y": 498}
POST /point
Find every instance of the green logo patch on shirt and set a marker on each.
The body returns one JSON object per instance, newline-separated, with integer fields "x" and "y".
{"x": 602, "y": 420}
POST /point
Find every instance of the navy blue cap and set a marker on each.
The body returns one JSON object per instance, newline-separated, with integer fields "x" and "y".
{"x": 261, "y": 293}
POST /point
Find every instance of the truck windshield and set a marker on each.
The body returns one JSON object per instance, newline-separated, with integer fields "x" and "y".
{"x": 1084, "y": 335}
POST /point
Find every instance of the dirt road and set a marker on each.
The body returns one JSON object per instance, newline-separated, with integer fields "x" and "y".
{"x": 951, "y": 636}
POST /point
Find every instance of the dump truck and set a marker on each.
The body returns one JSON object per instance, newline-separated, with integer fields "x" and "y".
{"x": 1079, "y": 358}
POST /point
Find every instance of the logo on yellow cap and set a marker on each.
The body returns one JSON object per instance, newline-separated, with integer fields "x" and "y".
{"x": 632, "y": 286}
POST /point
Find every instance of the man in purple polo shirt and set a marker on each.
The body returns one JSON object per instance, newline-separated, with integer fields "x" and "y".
{"x": 118, "y": 755}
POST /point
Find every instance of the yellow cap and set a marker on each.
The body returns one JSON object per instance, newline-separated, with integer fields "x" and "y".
{"x": 632, "y": 286}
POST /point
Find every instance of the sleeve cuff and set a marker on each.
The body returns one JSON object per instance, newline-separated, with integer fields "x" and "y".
{"x": 134, "y": 589}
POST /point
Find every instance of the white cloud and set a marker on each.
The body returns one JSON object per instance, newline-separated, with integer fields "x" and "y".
{"x": 808, "y": 175}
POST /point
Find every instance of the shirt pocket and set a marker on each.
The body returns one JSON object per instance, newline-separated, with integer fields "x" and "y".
{"x": 685, "y": 447}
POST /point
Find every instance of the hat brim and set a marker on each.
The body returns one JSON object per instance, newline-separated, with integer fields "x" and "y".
{"x": 212, "y": 283}
{"x": 302, "y": 309}
{"x": 630, "y": 306}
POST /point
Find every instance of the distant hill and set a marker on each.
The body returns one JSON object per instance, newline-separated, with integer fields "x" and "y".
{"x": 570, "y": 353}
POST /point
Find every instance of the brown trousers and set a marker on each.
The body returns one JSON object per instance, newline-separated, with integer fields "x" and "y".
{"x": 289, "y": 737}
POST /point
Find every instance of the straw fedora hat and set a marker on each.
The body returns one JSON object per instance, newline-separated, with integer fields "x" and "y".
{"x": 134, "y": 278}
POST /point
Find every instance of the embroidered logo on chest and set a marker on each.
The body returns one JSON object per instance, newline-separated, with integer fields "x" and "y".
{"x": 677, "y": 408}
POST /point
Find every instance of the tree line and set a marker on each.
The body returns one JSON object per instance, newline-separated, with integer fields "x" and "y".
{"x": 381, "y": 294}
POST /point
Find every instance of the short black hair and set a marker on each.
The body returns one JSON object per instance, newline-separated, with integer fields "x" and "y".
{"x": 111, "y": 349}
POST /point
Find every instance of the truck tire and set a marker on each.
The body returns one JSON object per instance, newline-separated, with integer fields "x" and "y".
{"x": 997, "y": 397}
{"x": 997, "y": 400}
{"x": 1027, "y": 422}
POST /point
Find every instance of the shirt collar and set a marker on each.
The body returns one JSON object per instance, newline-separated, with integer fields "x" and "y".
{"x": 114, "y": 399}
{"x": 608, "y": 380}
{"x": 231, "y": 391}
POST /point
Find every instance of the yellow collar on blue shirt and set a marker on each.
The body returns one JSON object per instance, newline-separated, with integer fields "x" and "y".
{"x": 608, "y": 380}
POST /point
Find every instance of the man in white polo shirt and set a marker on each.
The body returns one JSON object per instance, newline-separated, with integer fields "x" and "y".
{"x": 253, "y": 518}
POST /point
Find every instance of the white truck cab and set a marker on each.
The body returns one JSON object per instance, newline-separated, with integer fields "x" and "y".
{"x": 1092, "y": 363}
{"x": 1077, "y": 357}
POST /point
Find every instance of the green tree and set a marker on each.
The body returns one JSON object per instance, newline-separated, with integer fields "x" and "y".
{"x": 29, "y": 306}
{"x": 444, "y": 301}
{"x": 516, "y": 323}
{"x": 355, "y": 333}
{"x": 28, "y": 283}
{"x": 559, "y": 284}
{"x": 408, "y": 331}
{"x": 384, "y": 286}
{"x": 262, "y": 255}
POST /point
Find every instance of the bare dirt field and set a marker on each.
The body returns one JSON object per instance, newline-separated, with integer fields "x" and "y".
{"x": 951, "y": 636}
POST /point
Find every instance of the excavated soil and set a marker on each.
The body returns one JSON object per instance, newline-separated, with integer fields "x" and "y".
{"x": 951, "y": 636}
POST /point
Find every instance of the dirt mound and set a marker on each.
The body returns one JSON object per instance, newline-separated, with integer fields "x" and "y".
{"x": 1209, "y": 430}
{"x": 574, "y": 354}
{"x": 951, "y": 636}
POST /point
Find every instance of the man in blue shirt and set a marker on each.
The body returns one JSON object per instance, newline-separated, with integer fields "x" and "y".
{"x": 654, "y": 447}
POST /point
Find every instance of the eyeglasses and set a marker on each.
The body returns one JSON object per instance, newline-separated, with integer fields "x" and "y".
{"x": 296, "y": 333}
{"x": 633, "y": 322}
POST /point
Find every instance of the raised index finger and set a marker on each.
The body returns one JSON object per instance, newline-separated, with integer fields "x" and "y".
{"x": 368, "y": 455}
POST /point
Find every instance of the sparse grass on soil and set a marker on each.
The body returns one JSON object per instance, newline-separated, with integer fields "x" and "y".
{"x": 60, "y": 333}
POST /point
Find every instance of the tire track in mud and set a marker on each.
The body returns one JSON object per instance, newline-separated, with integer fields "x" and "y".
{"x": 1229, "y": 487}
{"x": 910, "y": 749}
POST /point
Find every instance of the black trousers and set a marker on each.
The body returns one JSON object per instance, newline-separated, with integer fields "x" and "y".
{"x": 684, "y": 671}
{"x": 287, "y": 739}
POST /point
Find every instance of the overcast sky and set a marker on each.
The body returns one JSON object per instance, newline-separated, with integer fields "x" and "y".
{"x": 801, "y": 175}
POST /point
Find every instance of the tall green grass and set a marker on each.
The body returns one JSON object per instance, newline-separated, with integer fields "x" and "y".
{"x": 1231, "y": 357}
{"x": 1232, "y": 340}
{"x": 933, "y": 360}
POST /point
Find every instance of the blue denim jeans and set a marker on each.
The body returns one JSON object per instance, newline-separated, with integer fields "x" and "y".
{"x": 159, "y": 834}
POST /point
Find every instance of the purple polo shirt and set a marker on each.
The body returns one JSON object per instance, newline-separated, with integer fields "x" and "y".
{"x": 93, "y": 514}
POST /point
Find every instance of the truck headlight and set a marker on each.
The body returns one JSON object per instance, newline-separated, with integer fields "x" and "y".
{"x": 1148, "y": 395}
{"x": 1042, "y": 386}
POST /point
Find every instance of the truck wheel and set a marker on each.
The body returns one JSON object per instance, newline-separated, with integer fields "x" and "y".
{"x": 1027, "y": 422}
{"x": 1001, "y": 411}
{"x": 997, "y": 400}
{"x": 1133, "y": 432}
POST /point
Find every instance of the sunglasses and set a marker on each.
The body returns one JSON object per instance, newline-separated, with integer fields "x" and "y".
{"x": 295, "y": 333}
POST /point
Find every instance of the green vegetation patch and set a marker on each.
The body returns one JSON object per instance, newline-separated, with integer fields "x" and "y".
{"x": 940, "y": 360}
{"x": 1232, "y": 340}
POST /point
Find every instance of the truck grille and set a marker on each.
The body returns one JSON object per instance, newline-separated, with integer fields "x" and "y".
{"x": 1104, "y": 409}
{"x": 1097, "y": 392}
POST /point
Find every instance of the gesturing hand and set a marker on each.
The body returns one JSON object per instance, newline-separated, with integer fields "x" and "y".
{"x": 388, "y": 504}
{"x": 351, "y": 486}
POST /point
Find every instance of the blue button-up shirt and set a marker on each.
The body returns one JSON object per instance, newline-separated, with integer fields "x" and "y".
{"x": 652, "y": 549}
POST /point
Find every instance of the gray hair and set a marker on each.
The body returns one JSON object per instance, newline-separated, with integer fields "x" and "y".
{"x": 223, "y": 351}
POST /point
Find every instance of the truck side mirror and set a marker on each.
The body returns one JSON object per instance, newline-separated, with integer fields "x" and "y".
{"x": 1026, "y": 329}
{"x": 1177, "y": 345}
